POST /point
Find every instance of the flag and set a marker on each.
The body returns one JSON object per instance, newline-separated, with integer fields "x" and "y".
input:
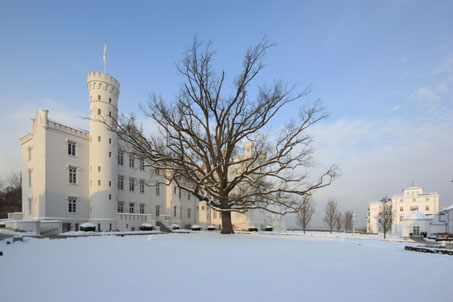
{"x": 105, "y": 51}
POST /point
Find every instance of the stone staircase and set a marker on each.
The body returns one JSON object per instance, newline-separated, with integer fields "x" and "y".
{"x": 163, "y": 227}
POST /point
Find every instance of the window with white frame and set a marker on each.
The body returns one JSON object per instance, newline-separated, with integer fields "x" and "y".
{"x": 157, "y": 189}
{"x": 72, "y": 202}
{"x": 120, "y": 182}
{"x": 142, "y": 208}
{"x": 29, "y": 178}
{"x": 426, "y": 208}
{"x": 188, "y": 213}
{"x": 29, "y": 153}
{"x": 401, "y": 218}
{"x": 131, "y": 184}
{"x": 142, "y": 186}
{"x": 157, "y": 210}
{"x": 401, "y": 209}
{"x": 414, "y": 208}
{"x": 142, "y": 165}
{"x": 131, "y": 207}
{"x": 30, "y": 202}
{"x": 120, "y": 158}
{"x": 72, "y": 148}
{"x": 174, "y": 211}
{"x": 72, "y": 175}
{"x": 131, "y": 161}
{"x": 120, "y": 207}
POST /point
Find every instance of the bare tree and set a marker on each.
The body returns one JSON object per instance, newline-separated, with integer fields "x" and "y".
{"x": 11, "y": 194}
{"x": 385, "y": 216}
{"x": 305, "y": 213}
{"x": 13, "y": 180}
{"x": 348, "y": 221}
{"x": 329, "y": 214}
{"x": 339, "y": 221}
{"x": 202, "y": 138}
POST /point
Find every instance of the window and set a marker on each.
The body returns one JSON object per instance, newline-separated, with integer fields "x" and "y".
{"x": 142, "y": 165}
{"x": 157, "y": 189}
{"x": 131, "y": 207}
{"x": 110, "y": 100}
{"x": 142, "y": 208}
{"x": 426, "y": 208}
{"x": 29, "y": 153}
{"x": 99, "y": 138}
{"x": 401, "y": 218}
{"x": 99, "y": 111}
{"x": 72, "y": 148}
{"x": 401, "y": 209}
{"x": 157, "y": 210}
{"x": 174, "y": 210}
{"x": 157, "y": 171}
{"x": 99, "y": 168}
{"x": 188, "y": 196}
{"x": 72, "y": 204}
{"x": 142, "y": 186}
{"x": 110, "y": 183}
{"x": 29, "y": 178}
{"x": 131, "y": 162}
{"x": 120, "y": 182}
{"x": 414, "y": 200}
{"x": 120, "y": 158}
{"x": 110, "y": 196}
{"x": 99, "y": 182}
{"x": 188, "y": 213}
{"x": 110, "y": 154}
{"x": 72, "y": 175}
{"x": 120, "y": 207}
{"x": 131, "y": 184}
{"x": 179, "y": 194}
{"x": 110, "y": 113}
{"x": 414, "y": 208}
{"x": 99, "y": 97}
{"x": 30, "y": 200}
{"x": 174, "y": 190}
{"x": 110, "y": 141}
{"x": 427, "y": 199}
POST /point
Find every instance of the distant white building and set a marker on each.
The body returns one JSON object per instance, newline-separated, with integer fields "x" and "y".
{"x": 72, "y": 176}
{"x": 412, "y": 199}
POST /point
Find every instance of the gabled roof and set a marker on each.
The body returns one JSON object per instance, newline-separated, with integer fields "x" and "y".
{"x": 416, "y": 215}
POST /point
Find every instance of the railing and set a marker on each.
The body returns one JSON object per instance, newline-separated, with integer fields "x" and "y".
{"x": 49, "y": 231}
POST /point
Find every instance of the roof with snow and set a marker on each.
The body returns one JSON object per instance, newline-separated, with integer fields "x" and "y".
{"x": 416, "y": 215}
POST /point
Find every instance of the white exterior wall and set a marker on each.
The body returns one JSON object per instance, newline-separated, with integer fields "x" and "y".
{"x": 407, "y": 226}
{"x": 103, "y": 169}
{"x": 413, "y": 199}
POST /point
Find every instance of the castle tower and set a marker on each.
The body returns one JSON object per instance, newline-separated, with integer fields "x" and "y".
{"x": 104, "y": 91}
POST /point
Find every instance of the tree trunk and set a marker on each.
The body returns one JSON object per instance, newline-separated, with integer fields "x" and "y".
{"x": 227, "y": 226}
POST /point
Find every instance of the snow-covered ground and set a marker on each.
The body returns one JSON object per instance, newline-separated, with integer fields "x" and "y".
{"x": 212, "y": 267}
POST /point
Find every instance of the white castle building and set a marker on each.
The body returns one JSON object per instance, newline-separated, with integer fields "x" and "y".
{"x": 73, "y": 176}
{"x": 414, "y": 212}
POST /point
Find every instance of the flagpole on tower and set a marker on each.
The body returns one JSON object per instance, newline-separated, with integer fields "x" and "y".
{"x": 105, "y": 54}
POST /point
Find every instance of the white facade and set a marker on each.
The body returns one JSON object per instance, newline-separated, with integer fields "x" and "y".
{"x": 75, "y": 176}
{"x": 412, "y": 199}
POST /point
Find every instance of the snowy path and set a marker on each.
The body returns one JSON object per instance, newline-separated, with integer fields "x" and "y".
{"x": 214, "y": 267}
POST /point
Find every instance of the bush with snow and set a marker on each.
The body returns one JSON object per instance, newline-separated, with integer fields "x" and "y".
{"x": 211, "y": 227}
{"x": 269, "y": 228}
{"x": 195, "y": 227}
{"x": 146, "y": 227}
{"x": 253, "y": 228}
{"x": 88, "y": 227}
{"x": 175, "y": 226}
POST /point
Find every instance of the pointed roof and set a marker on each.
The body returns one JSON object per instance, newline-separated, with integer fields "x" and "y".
{"x": 416, "y": 215}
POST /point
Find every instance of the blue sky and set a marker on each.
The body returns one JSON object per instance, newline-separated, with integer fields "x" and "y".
{"x": 383, "y": 69}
